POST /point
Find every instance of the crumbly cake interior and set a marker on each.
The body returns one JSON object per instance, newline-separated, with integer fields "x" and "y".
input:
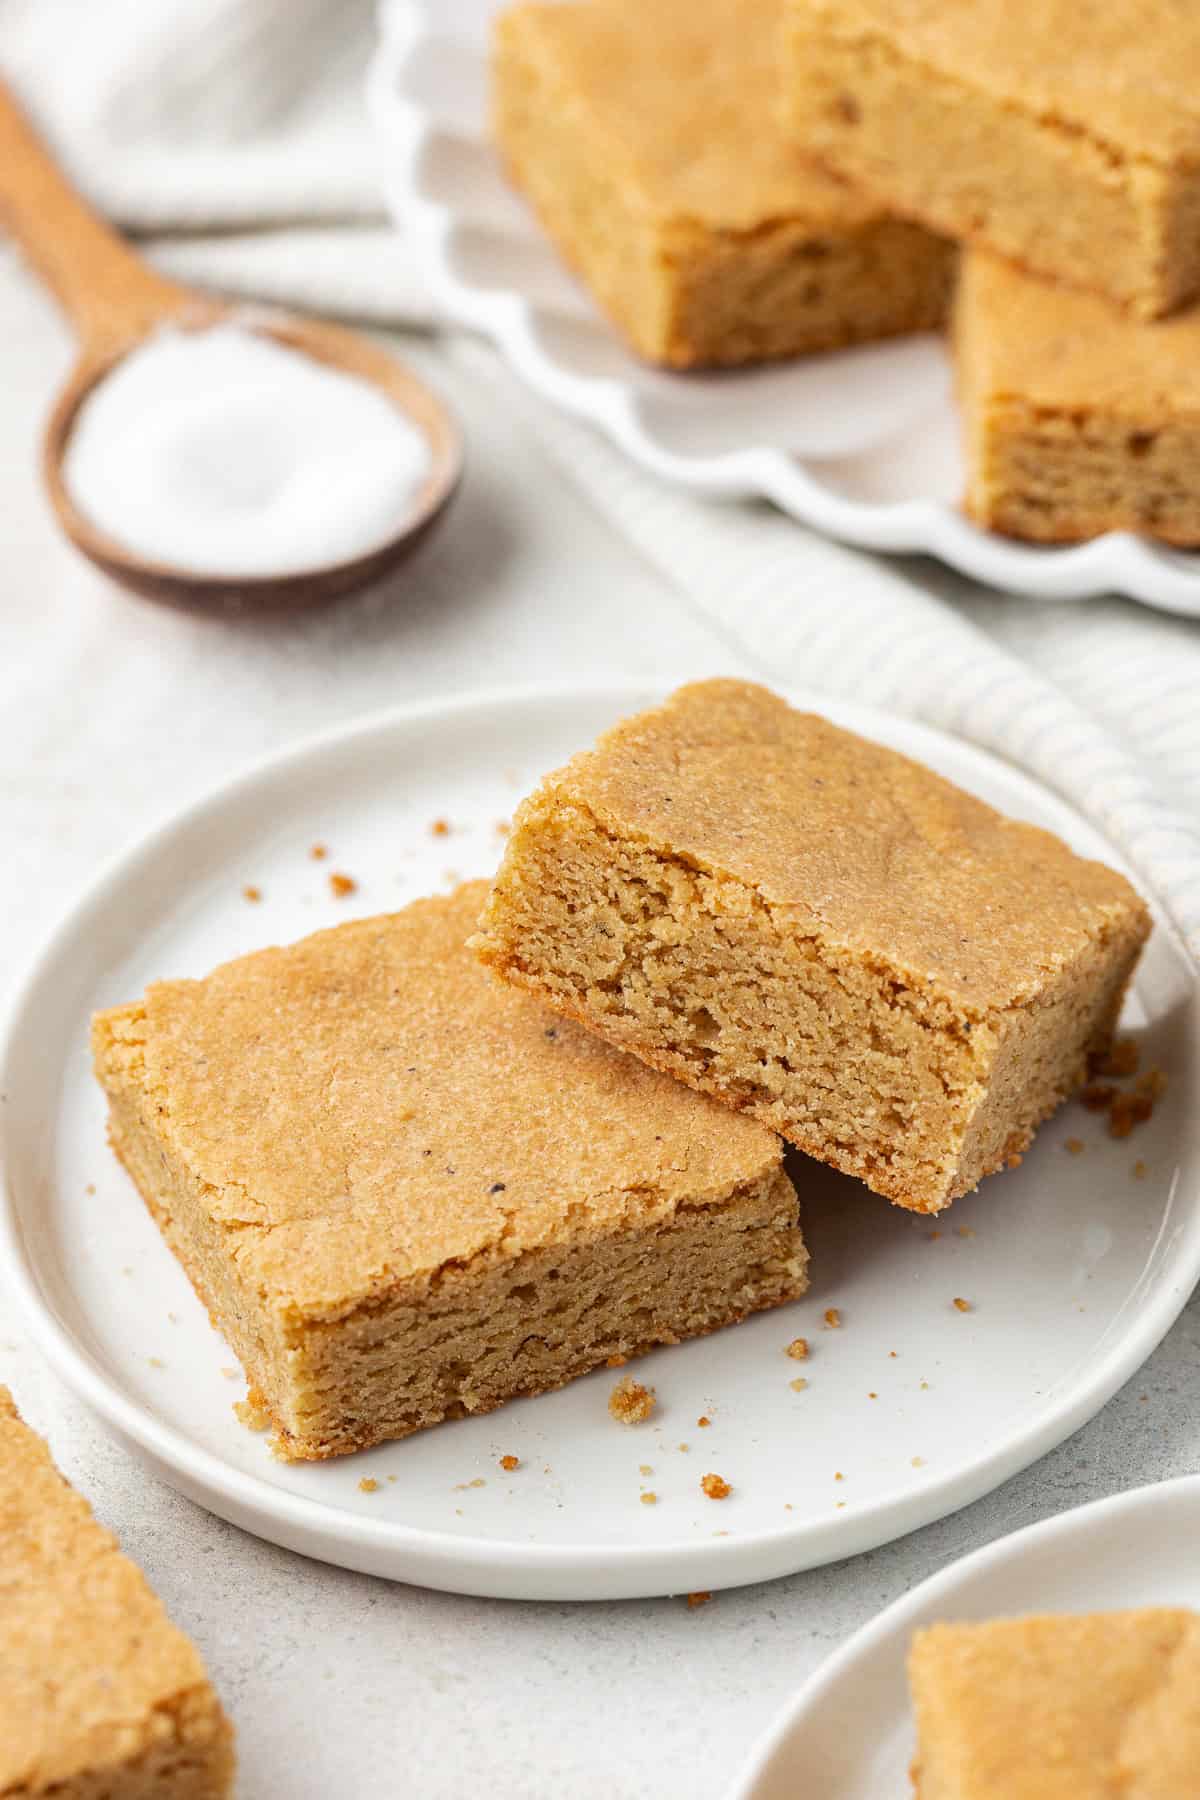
{"x": 100, "y": 1695}
{"x": 1058, "y": 1708}
{"x": 421, "y": 1195}
{"x": 644, "y": 145}
{"x": 1068, "y": 144}
{"x": 645, "y": 892}
{"x": 1077, "y": 419}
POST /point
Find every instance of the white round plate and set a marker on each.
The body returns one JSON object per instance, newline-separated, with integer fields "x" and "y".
{"x": 849, "y": 1734}
{"x": 861, "y": 444}
{"x": 1074, "y": 1269}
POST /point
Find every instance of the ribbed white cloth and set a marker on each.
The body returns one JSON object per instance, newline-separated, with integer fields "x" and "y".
{"x": 237, "y": 127}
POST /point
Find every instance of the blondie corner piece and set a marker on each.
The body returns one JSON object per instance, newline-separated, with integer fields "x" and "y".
{"x": 406, "y": 1193}
{"x": 1065, "y": 136}
{"x": 819, "y": 932}
{"x": 648, "y": 142}
{"x": 101, "y": 1698}
{"x": 1077, "y": 418}
{"x": 1059, "y": 1708}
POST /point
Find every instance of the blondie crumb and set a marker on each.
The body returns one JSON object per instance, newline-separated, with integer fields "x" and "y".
{"x": 319, "y": 852}
{"x": 252, "y": 1411}
{"x": 341, "y": 885}
{"x": 700, "y": 1598}
{"x": 1139, "y": 1170}
{"x": 649, "y": 1498}
{"x": 798, "y": 1386}
{"x": 798, "y": 1349}
{"x": 440, "y": 828}
{"x": 1135, "y": 1106}
{"x": 961, "y": 1305}
{"x": 368, "y": 1485}
{"x": 510, "y": 1463}
{"x": 833, "y": 1318}
{"x": 252, "y": 894}
{"x": 1121, "y": 1060}
{"x": 630, "y": 1403}
{"x": 716, "y": 1487}
{"x": 1074, "y": 1146}
{"x": 704, "y": 1421}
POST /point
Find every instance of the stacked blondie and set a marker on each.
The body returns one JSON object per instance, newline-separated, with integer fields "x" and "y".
{"x": 739, "y": 181}
{"x": 419, "y": 1165}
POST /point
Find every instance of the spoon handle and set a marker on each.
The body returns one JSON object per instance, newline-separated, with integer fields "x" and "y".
{"x": 109, "y": 294}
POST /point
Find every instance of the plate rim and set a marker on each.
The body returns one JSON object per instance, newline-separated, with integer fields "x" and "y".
{"x": 1115, "y": 562}
{"x": 907, "y": 1607}
{"x": 459, "y": 1562}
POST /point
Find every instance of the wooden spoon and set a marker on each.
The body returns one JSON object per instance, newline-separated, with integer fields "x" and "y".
{"x": 115, "y": 301}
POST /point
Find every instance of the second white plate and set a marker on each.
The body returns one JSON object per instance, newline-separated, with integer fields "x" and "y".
{"x": 861, "y": 444}
{"x": 1072, "y": 1267}
{"x": 849, "y": 1734}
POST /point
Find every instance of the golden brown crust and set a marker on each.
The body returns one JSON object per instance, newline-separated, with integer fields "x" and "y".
{"x": 680, "y": 96}
{"x": 386, "y": 1109}
{"x": 820, "y": 932}
{"x": 406, "y": 1193}
{"x": 1077, "y": 418}
{"x": 1042, "y": 345}
{"x": 647, "y": 145}
{"x": 1059, "y": 1708}
{"x": 1126, "y": 73}
{"x": 848, "y": 841}
{"x": 1067, "y": 140}
{"x": 100, "y": 1693}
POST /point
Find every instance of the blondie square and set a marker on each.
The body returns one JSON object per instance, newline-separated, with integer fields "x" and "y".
{"x": 1068, "y": 1708}
{"x": 406, "y": 1193}
{"x": 647, "y": 140}
{"x": 1065, "y": 136}
{"x": 819, "y": 932}
{"x": 101, "y": 1698}
{"x": 1078, "y": 419}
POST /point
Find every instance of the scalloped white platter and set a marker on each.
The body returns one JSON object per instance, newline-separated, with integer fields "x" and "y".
{"x": 849, "y": 1734}
{"x": 862, "y": 444}
{"x": 1073, "y": 1268}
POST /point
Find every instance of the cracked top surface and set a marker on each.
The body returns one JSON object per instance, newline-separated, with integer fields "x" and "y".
{"x": 861, "y": 848}
{"x": 682, "y": 94}
{"x": 94, "y": 1673}
{"x": 1062, "y": 1708}
{"x": 369, "y": 1105}
{"x": 1124, "y": 71}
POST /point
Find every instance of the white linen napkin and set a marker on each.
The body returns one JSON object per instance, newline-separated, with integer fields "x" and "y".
{"x": 232, "y": 135}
